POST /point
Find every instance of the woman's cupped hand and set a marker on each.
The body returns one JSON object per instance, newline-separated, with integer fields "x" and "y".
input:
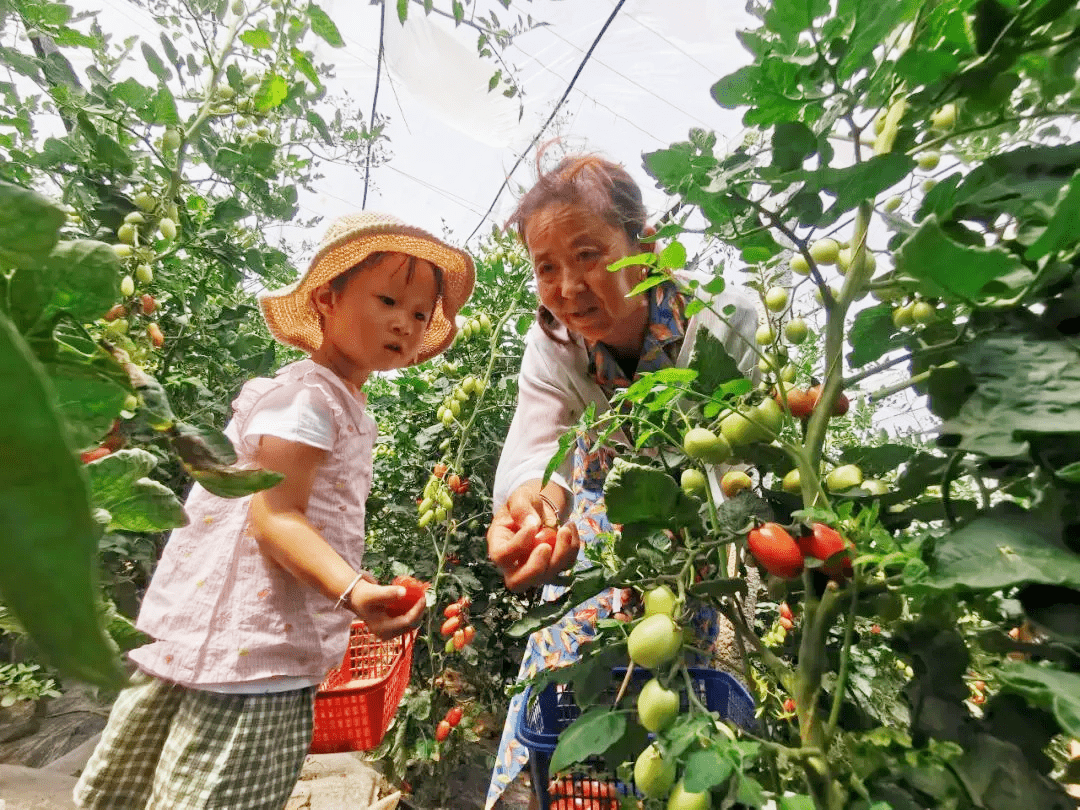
{"x": 527, "y": 551}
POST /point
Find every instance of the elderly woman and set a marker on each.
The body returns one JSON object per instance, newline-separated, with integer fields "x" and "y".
{"x": 589, "y": 339}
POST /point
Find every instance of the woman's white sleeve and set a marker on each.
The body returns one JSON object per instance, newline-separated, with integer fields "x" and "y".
{"x": 546, "y": 408}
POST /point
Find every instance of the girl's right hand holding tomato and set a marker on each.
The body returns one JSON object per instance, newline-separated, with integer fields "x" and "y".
{"x": 525, "y": 550}
{"x": 375, "y": 604}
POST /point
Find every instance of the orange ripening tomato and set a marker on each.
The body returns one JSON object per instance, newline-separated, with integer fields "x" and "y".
{"x": 799, "y": 402}
{"x": 414, "y": 591}
{"x": 775, "y": 549}
{"x": 839, "y": 408}
{"x": 785, "y": 612}
{"x": 547, "y": 536}
{"x": 789, "y": 705}
{"x": 470, "y": 633}
{"x": 155, "y": 334}
{"x": 450, "y": 625}
{"x": 442, "y": 731}
{"x": 439, "y": 470}
{"x": 459, "y": 639}
{"x": 787, "y": 624}
{"x": 453, "y": 716}
{"x": 822, "y": 544}
{"x": 451, "y": 610}
{"x": 94, "y": 455}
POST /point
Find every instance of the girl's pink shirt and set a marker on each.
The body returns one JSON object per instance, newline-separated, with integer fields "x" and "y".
{"x": 222, "y": 612}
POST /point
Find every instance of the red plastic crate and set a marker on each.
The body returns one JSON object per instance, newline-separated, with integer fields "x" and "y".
{"x": 356, "y": 701}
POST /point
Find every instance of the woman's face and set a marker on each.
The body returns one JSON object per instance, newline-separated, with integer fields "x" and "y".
{"x": 571, "y": 247}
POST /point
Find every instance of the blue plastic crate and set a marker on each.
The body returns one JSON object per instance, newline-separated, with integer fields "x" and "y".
{"x": 544, "y": 718}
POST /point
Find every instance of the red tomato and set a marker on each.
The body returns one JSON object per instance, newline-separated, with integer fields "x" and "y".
{"x": 414, "y": 591}
{"x": 148, "y": 304}
{"x": 118, "y": 311}
{"x": 787, "y": 624}
{"x": 799, "y": 402}
{"x": 442, "y": 731}
{"x": 450, "y": 625}
{"x": 546, "y": 535}
{"x": 470, "y": 633}
{"x": 785, "y": 612}
{"x": 94, "y": 455}
{"x": 823, "y": 544}
{"x": 451, "y": 610}
{"x": 459, "y": 639}
{"x": 789, "y": 705}
{"x": 453, "y": 716}
{"x": 775, "y": 549}
{"x": 839, "y": 408}
{"x": 453, "y": 481}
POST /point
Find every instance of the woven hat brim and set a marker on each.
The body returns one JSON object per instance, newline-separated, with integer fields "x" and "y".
{"x": 293, "y": 320}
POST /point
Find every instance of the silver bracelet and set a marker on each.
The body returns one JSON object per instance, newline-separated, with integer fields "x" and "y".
{"x": 345, "y": 594}
{"x": 554, "y": 509}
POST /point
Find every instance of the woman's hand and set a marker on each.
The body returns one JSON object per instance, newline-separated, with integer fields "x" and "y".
{"x": 369, "y": 601}
{"x": 513, "y": 547}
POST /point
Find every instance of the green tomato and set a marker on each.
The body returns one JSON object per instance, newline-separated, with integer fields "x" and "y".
{"x": 654, "y": 641}
{"x": 788, "y": 373}
{"x": 843, "y": 478}
{"x": 903, "y": 316}
{"x": 131, "y": 402}
{"x": 739, "y": 430}
{"x": 135, "y": 218}
{"x": 704, "y": 445}
{"x": 776, "y": 299}
{"x": 426, "y": 518}
{"x": 792, "y": 482}
{"x": 944, "y": 118}
{"x": 796, "y": 330}
{"x": 170, "y": 140}
{"x": 657, "y": 706}
{"x": 123, "y": 251}
{"x": 929, "y": 160}
{"x": 127, "y": 233}
{"x": 693, "y": 481}
{"x": 764, "y": 335}
{"x": 485, "y": 323}
{"x": 892, "y": 203}
{"x": 683, "y": 799}
{"x": 660, "y": 601}
{"x": 927, "y": 185}
{"x": 653, "y": 775}
{"x": 144, "y": 273}
{"x": 799, "y": 265}
{"x": 843, "y": 260}
{"x": 127, "y": 286}
{"x": 167, "y": 228}
{"x": 770, "y": 415}
{"x": 825, "y": 251}
{"x": 145, "y": 201}
{"x": 875, "y": 486}
{"x": 922, "y": 312}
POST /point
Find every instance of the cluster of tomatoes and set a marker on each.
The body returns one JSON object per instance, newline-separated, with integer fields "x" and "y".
{"x": 448, "y": 723}
{"x": 785, "y": 556}
{"x": 450, "y": 409}
{"x": 456, "y": 629}
{"x": 437, "y": 501}
{"x": 578, "y": 793}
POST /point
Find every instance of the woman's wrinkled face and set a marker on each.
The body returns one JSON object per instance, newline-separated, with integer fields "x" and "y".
{"x": 571, "y": 247}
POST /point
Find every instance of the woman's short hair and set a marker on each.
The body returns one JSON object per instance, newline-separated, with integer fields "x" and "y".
{"x": 602, "y": 185}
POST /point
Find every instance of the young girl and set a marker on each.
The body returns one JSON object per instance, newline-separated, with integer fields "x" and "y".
{"x": 251, "y": 603}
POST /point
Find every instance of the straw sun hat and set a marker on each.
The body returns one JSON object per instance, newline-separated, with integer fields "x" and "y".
{"x": 348, "y": 241}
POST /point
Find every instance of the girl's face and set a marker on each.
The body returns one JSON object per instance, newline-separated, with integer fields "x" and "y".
{"x": 571, "y": 247}
{"x": 378, "y": 320}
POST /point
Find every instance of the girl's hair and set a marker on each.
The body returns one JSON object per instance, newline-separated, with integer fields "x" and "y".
{"x": 339, "y": 282}
{"x": 590, "y": 180}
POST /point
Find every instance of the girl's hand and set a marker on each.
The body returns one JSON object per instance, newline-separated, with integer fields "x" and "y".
{"x": 369, "y": 600}
{"x": 512, "y": 544}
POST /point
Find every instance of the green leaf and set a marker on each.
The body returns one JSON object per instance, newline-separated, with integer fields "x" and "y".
{"x": 590, "y": 734}
{"x": 851, "y": 185}
{"x": 80, "y": 277}
{"x": 635, "y": 493}
{"x": 303, "y": 64}
{"x": 232, "y": 482}
{"x": 873, "y": 335}
{"x": 273, "y": 90}
{"x": 257, "y": 38}
{"x": 714, "y": 366}
{"x": 112, "y": 154}
{"x": 134, "y": 502}
{"x": 402, "y": 10}
{"x": 672, "y": 257}
{"x": 322, "y": 25}
{"x": 1061, "y": 230}
{"x": 29, "y": 226}
{"x": 789, "y": 18}
{"x": 153, "y": 61}
{"x": 1069, "y": 473}
{"x": 87, "y": 396}
{"x": 132, "y": 93}
{"x": 1002, "y": 548}
{"x": 1047, "y": 688}
{"x": 873, "y": 21}
{"x": 876, "y": 461}
{"x": 944, "y": 267}
{"x": 792, "y": 143}
{"x": 706, "y": 769}
{"x": 1023, "y": 385}
{"x": 48, "y": 528}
